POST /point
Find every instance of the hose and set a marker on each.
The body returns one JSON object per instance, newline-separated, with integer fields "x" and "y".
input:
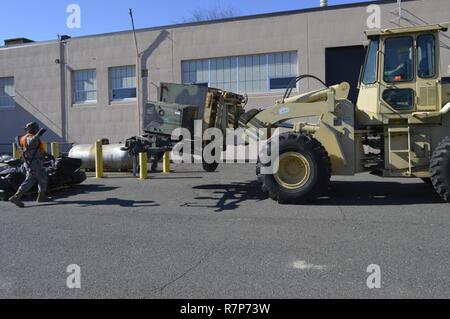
{"x": 293, "y": 83}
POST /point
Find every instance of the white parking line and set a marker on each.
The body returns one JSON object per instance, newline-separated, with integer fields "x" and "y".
{"x": 303, "y": 265}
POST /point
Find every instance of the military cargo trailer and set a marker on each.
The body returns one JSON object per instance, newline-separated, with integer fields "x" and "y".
{"x": 179, "y": 106}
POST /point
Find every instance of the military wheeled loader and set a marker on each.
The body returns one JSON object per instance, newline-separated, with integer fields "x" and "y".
{"x": 400, "y": 126}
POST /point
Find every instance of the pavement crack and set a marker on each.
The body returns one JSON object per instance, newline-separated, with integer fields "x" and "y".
{"x": 185, "y": 273}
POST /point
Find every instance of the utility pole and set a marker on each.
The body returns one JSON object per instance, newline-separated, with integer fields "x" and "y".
{"x": 400, "y": 12}
{"x": 138, "y": 75}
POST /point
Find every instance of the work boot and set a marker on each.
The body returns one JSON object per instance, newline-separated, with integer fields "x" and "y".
{"x": 16, "y": 200}
{"x": 42, "y": 198}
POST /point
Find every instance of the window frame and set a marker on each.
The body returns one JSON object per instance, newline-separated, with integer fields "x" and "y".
{"x": 435, "y": 56}
{"x": 111, "y": 88}
{"x": 414, "y": 94}
{"x": 11, "y": 98}
{"x": 377, "y": 62}
{"x": 238, "y": 71}
{"x": 413, "y": 59}
{"x": 74, "y": 90}
{"x": 279, "y": 78}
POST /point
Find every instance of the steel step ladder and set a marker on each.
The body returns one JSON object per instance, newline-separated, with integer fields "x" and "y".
{"x": 400, "y": 131}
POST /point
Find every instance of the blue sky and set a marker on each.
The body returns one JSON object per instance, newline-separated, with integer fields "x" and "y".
{"x": 45, "y": 19}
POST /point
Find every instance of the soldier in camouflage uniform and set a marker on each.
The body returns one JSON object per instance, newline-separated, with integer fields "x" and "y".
{"x": 33, "y": 156}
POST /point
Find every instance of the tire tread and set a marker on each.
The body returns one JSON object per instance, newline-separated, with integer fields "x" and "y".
{"x": 324, "y": 174}
{"x": 440, "y": 176}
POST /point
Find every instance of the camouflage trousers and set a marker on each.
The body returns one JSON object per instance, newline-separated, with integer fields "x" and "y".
{"x": 36, "y": 173}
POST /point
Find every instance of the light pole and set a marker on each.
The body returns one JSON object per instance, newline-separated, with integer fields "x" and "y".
{"x": 138, "y": 75}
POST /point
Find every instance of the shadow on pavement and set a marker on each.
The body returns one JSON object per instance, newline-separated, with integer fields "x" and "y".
{"x": 116, "y": 202}
{"x": 82, "y": 189}
{"x": 230, "y": 196}
{"x": 379, "y": 193}
{"x": 89, "y": 189}
{"x": 176, "y": 177}
{"x": 69, "y": 191}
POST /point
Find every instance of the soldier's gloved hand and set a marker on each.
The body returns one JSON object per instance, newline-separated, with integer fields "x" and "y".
{"x": 42, "y": 131}
{"x": 48, "y": 157}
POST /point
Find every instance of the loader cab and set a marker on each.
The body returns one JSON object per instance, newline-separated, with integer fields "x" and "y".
{"x": 401, "y": 74}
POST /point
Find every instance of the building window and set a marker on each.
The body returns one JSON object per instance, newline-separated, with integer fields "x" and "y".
{"x": 7, "y": 92}
{"x": 123, "y": 83}
{"x": 281, "y": 83}
{"x": 85, "y": 86}
{"x": 253, "y": 74}
{"x": 243, "y": 74}
{"x": 196, "y": 71}
{"x": 223, "y": 74}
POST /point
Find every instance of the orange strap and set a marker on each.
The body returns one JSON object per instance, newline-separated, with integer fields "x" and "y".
{"x": 24, "y": 143}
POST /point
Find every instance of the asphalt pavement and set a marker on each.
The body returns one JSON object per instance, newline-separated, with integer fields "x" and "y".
{"x": 192, "y": 234}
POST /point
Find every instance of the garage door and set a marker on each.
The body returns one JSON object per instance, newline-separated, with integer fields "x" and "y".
{"x": 344, "y": 64}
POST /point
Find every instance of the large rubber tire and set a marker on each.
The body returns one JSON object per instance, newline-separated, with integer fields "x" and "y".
{"x": 306, "y": 151}
{"x": 440, "y": 169}
{"x": 427, "y": 181}
{"x": 4, "y": 196}
{"x": 78, "y": 177}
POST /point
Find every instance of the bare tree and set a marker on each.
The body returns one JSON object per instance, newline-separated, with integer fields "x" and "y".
{"x": 213, "y": 12}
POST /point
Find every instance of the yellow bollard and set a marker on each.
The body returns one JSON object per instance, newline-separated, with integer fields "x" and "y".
{"x": 99, "y": 159}
{"x": 143, "y": 166}
{"x": 166, "y": 163}
{"x": 55, "y": 149}
{"x": 16, "y": 153}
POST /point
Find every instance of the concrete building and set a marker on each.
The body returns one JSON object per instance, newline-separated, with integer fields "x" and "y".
{"x": 84, "y": 88}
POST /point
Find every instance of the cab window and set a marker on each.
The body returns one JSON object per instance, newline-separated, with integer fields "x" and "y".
{"x": 400, "y": 99}
{"x": 398, "y": 60}
{"x": 426, "y": 56}
{"x": 370, "y": 70}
